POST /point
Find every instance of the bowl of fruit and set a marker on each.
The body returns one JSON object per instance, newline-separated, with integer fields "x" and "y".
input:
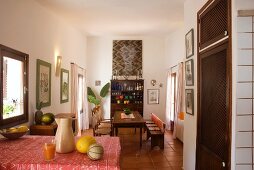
{"x": 14, "y": 133}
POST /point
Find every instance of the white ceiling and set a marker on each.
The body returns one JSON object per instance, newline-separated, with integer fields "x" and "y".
{"x": 120, "y": 17}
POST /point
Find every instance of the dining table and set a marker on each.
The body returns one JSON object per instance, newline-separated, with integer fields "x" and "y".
{"x": 27, "y": 153}
{"x": 133, "y": 120}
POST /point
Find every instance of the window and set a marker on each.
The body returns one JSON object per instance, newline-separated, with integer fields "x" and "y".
{"x": 14, "y": 87}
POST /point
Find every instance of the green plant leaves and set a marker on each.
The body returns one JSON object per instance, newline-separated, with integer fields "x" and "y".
{"x": 93, "y": 100}
{"x": 105, "y": 89}
{"x": 90, "y": 92}
{"x": 91, "y": 97}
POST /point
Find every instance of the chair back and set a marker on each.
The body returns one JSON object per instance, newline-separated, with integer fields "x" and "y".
{"x": 95, "y": 119}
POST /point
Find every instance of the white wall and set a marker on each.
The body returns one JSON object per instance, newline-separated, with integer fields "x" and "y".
{"x": 191, "y": 7}
{"x": 30, "y": 28}
{"x": 175, "y": 47}
{"x": 237, "y": 139}
{"x": 99, "y": 64}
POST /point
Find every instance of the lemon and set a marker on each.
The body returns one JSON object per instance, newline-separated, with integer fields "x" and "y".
{"x": 84, "y": 142}
{"x": 23, "y": 128}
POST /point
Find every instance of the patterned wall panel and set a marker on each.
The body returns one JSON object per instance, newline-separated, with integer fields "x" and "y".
{"x": 127, "y": 57}
{"x": 244, "y": 145}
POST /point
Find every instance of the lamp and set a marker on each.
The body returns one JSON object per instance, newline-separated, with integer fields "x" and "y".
{"x": 153, "y": 82}
{"x": 58, "y": 65}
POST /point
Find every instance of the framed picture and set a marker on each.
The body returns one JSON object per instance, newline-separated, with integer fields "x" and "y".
{"x": 189, "y": 96}
{"x": 43, "y": 84}
{"x": 189, "y": 43}
{"x": 189, "y": 72}
{"x": 64, "y": 86}
{"x": 153, "y": 96}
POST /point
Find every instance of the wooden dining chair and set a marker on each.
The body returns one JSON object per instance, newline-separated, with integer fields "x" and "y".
{"x": 101, "y": 126}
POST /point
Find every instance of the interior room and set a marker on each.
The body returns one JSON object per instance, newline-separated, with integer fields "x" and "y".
{"x": 119, "y": 84}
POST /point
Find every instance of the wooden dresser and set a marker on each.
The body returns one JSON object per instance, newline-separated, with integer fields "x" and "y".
{"x": 50, "y": 130}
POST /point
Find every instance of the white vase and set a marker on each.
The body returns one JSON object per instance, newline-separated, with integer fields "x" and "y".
{"x": 64, "y": 135}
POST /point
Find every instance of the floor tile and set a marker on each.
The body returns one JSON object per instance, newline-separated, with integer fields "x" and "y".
{"x": 135, "y": 158}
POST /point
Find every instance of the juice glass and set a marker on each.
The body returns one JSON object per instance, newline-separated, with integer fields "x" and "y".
{"x": 49, "y": 150}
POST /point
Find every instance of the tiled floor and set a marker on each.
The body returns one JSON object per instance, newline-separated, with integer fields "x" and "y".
{"x": 134, "y": 158}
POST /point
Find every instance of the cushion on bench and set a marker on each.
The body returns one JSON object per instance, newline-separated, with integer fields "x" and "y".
{"x": 149, "y": 122}
{"x": 154, "y": 128}
{"x": 151, "y": 125}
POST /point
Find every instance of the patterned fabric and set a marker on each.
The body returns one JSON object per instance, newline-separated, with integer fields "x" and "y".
{"x": 169, "y": 100}
{"x": 26, "y": 153}
{"x": 179, "y": 97}
{"x": 127, "y": 57}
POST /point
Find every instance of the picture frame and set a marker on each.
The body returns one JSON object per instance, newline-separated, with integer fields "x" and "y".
{"x": 189, "y": 72}
{"x": 43, "y": 84}
{"x": 189, "y": 100}
{"x": 64, "y": 86}
{"x": 153, "y": 96}
{"x": 189, "y": 43}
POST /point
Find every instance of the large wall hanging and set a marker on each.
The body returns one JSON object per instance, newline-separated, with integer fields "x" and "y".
{"x": 127, "y": 58}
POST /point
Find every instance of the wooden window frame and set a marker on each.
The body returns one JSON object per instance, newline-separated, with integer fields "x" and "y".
{"x": 17, "y": 55}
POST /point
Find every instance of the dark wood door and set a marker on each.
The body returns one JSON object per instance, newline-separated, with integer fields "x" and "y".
{"x": 213, "y": 144}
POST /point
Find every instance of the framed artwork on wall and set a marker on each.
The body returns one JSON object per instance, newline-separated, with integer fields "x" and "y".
{"x": 189, "y": 72}
{"x": 43, "y": 84}
{"x": 153, "y": 96}
{"x": 189, "y": 96}
{"x": 189, "y": 43}
{"x": 64, "y": 86}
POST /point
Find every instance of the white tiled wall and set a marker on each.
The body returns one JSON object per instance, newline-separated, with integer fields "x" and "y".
{"x": 245, "y": 94}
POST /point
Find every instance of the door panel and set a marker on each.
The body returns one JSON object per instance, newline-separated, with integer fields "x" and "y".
{"x": 213, "y": 121}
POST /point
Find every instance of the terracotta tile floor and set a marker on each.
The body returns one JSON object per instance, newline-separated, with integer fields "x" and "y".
{"x": 134, "y": 158}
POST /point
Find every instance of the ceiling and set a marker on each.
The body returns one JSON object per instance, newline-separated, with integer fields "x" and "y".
{"x": 120, "y": 17}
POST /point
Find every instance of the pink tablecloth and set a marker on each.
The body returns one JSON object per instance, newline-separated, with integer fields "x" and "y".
{"x": 26, "y": 153}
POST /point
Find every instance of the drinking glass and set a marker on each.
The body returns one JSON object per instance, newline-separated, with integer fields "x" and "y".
{"x": 49, "y": 150}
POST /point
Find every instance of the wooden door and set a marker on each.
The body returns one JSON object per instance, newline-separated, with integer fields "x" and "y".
{"x": 214, "y": 86}
{"x": 213, "y": 144}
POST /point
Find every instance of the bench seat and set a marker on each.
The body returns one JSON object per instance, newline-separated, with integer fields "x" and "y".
{"x": 155, "y": 129}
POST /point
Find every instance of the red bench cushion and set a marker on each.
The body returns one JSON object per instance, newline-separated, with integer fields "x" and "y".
{"x": 157, "y": 121}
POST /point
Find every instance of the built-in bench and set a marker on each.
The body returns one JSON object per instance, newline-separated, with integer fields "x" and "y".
{"x": 155, "y": 129}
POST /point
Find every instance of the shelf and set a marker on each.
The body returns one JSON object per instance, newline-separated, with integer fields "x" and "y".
{"x": 127, "y": 104}
{"x": 128, "y": 91}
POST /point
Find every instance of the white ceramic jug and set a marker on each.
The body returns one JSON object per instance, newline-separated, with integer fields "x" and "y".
{"x": 64, "y": 135}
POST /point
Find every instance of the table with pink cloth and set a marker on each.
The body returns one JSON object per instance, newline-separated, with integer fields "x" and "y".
{"x": 26, "y": 153}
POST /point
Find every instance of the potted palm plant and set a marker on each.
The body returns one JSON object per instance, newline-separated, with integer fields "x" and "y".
{"x": 92, "y": 98}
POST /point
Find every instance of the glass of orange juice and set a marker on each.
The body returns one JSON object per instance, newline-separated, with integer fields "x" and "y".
{"x": 49, "y": 150}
